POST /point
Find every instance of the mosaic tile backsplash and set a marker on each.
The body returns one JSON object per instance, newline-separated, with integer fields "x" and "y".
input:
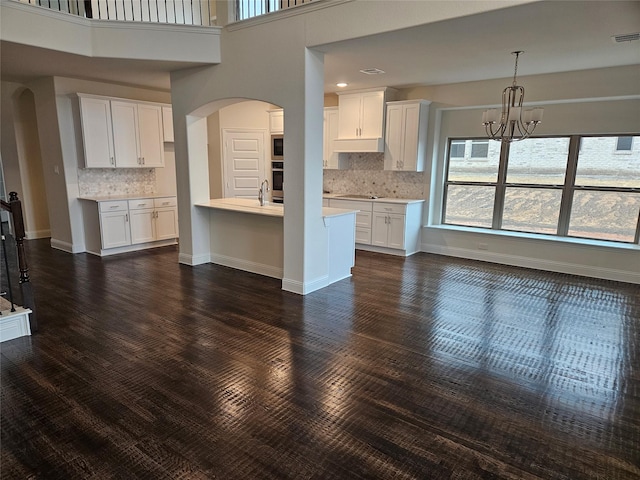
{"x": 363, "y": 174}
{"x": 101, "y": 182}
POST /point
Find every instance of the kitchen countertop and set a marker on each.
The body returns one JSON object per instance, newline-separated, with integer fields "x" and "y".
{"x": 107, "y": 198}
{"x": 247, "y": 205}
{"x": 341, "y": 196}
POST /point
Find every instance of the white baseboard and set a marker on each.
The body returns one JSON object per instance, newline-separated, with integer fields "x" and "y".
{"x": 301, "y": 288}
{"x": 386, "y": 250}
{"x": 14, "y": 324}
{"x": 261, "y": 269}
{"x": 67, "y": 247}
{"x": 193, "y": 260}
{"x": 535, "y": 263}
{"x": 35, "y": 234}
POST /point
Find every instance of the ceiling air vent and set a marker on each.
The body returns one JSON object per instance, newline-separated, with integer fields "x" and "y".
{"x": 371, "y": 71}
{"x": 626, "y": 37}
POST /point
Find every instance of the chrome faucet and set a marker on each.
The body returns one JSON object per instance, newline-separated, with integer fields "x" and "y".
{"x": 262, "y": 193}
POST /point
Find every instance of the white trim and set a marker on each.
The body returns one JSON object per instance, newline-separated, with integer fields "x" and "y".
{"x": 193, "y": 260}
{"x": 132, "y": 248}
{"x": 66, "y": 246}
{"x": 535, "y": 263}
{"x": 549, "y": 102}
{"x": 386, "y": 250}
{"x": 304, "y": 288}
{"x": 14, "y": 324}
{"x": 34, "y": 234}
{"x": 247, "y": 266}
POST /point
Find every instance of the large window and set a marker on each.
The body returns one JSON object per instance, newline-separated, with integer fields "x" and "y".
{"x": 567, "y": 186}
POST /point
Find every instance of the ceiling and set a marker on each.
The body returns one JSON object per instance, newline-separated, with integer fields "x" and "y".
{"x": 556, "y": 36}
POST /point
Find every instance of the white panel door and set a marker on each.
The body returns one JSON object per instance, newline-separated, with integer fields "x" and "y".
{"x": 393, "y": 138}
{"x": 349, "y": 112}
{"x": 142, "y": 227}
{"x": 125, "y": 133}
{"x": 166, "y": 223}
{"x": 372, "y": 115}
{"x": 395, "y": 236}
{"x": 410, "y": 126}
{"x": 150, "y": 131}
{"x": 244, "y": 162}
{"x": 95, "y": 114}
{"x": 114, "y": 229}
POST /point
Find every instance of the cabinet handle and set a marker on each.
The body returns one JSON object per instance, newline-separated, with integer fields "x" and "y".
{"x": 126, "y": 217}
{"x": 165, "y": 203}
{"x": 112, "y": 162}
{"x": 114, "y": 206}
{"x": 143, "y": 160}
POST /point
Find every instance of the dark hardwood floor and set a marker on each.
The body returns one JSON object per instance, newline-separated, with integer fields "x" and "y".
{"x": 427, "y": 367}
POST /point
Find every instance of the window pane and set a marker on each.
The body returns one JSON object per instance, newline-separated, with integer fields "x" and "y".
{"x": 457, "y": 148}
{"x": 538, "y": 161}
{"x": 624, "y": 144}
{"x": 604, "y": 215}
{"x": 479, "y": 148}
{"x": 466, "y": 169}
{"x": 534, "y": 210}
{"x": 600, "y": 165}
{"x": 470, "y": 205}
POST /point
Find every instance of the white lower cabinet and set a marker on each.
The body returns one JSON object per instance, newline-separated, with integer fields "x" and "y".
{"x": 387, "y": 227}
{"x": 114, "y": 224}
{"x": 166, "y": 218}
{"x": 118, "y": 226}
{"x": 388, "y": 230}
{"x": 153, "y": 219}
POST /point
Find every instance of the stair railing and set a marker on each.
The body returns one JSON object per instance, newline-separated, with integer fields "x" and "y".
{"x": 14, "y": 207}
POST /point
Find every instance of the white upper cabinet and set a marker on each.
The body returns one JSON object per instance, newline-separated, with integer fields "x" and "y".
{"x": 406, "y": 135}
{"x": 330, "y": 133}
{"x": 150, "y": 135}
{"x": 361, "y": 117}
{"x": 276, "y": 121}
{"x": 95, "y": 115}
{"x": 121, "y": 133}
{"x": 167, "y": 124}
{"x": 125, "y": 133}
{"x": 137, "y": 134}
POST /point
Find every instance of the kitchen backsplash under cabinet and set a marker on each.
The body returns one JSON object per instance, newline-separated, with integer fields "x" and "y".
{"x": 104, "y": 182}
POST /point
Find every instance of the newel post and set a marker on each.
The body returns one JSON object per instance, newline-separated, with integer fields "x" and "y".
{"x": 19, "y": 233}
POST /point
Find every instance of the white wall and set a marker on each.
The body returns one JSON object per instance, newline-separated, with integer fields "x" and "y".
{"x": 606, "y": 101}
{"x": 267, "y": 63}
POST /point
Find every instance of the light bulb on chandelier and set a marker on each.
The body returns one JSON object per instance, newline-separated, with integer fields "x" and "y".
{"x": 512, "y": 123}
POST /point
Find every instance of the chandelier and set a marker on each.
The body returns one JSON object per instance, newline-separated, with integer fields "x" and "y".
{"x": 511, "y": 123}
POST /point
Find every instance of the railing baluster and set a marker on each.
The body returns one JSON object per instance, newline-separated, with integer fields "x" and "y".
{"x": 6, "y": 267}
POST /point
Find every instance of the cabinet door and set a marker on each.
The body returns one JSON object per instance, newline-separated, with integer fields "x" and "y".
{"x": 150, "y": 135}
{"x": 349, "y": 116}
{"x": 410, "y": 131}
{"x": 97, "y": 133}
{"x": 330, "y": 133}
{"x": 166, "y": 223}
{"x": 276, "y": 122}
{"x": 167, "y": 124}
{"x": 379, "y": 229}
{"x": 114, "y": 229}
{"x": 395, "y": 235}
{"x": 372, "y": 115}
{"x": 393, "y": 138}
{"x": 142, "y": 226}
{"x": 125, "y": 133}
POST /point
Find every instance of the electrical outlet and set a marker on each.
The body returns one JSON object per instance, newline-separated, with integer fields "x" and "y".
{"x": 483, "y": 246}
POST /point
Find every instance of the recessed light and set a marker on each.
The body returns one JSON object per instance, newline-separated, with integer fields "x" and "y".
{"x": 341, "y": 84}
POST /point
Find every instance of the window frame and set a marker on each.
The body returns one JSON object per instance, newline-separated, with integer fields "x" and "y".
{"x": 568, "y": 188}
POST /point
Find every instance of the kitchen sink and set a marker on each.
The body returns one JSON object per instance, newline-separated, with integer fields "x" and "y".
{"x": 367, "y": 197}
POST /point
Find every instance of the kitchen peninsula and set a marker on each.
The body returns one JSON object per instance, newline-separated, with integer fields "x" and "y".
{"x": 250, "y": 237}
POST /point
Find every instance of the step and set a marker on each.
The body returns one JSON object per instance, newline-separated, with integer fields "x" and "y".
{"x": 14, "y": 324}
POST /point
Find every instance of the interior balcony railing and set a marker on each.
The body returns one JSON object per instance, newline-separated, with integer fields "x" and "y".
{"x": 184, "y": 12}
{"x": 253, "y": 8}
{"x": 14, "y": 270}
